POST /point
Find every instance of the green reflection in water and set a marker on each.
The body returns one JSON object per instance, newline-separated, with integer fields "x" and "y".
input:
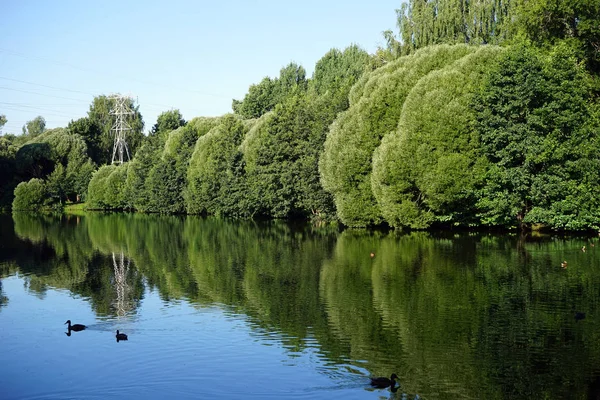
{"x": 456, "y": 316}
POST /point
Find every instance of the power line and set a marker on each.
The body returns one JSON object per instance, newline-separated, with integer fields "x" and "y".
{"x": 45, "y": 112}
{"x": 115, "y": 75}
{"x": 46, "y": 86}
{"x": 42, "y": 94}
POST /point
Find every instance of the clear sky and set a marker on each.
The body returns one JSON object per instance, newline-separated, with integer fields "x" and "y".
{"x": 195, "y": 56}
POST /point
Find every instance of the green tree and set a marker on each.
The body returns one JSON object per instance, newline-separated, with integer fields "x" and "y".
{"x": 35, "y": 127}
{"x": 8, "y": 177}
{"x": 376, "y": 103}
{"x": 260, "y": 98}
{"x": 539, "y": 126}
{"x": 263, "y": 97}
{"x": 168, "y": 121}
{"x": 335, "y": 74}
{"x": 281, "y": 156}
{"x": 98, "y": 188}
{"x": 428, "y": 169}
{"x": 3, "y": 122}
{"x": 56, "y": 185}
{"x": 33, "y": 160}
{"x": 91, "y": 132}
{"x": 423, "y": 23}
{"x": 30, "y": 195}
{"x": 545, "y": 22}
{"x": 216, "y": 181}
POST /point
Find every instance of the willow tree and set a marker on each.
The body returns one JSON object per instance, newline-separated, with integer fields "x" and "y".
{"x": 345, "y": 165}
{"x": 428, "y": 169}
{"x": 424, "y": 23}
{"x": 215, "y": 177}
{"x": 98, "y": 187}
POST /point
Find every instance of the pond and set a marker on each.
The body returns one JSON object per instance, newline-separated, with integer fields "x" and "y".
{"x": 223, "y": 309}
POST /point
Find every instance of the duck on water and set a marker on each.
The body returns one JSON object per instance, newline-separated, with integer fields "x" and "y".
{"x": 75, "y": 327}
{"x": 121, "y": 336}
{"x": 383, "y": 382}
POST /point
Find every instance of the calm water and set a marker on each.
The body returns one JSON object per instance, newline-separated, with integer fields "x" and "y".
{"x": 222, "y": 309}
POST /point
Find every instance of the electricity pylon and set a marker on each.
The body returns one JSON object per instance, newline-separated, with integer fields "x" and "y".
{"x": 120, "y": 128}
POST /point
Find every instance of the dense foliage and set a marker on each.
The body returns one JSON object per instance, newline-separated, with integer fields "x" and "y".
{"x": 477, "y": 114}
{"x": 346, "y": 162}
{"x": 539, "y": 126}
{"x": 428, "y": 168}
{"x": 59, "y": 159}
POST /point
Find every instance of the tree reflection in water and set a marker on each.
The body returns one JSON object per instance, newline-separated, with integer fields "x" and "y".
{"x": 473, "y": 315}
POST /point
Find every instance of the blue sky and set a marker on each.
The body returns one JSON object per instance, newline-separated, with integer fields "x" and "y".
{"x": 195, "y": 56}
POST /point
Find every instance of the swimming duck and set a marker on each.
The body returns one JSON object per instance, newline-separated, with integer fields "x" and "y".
{"x": 383, "y": 382}
{"x": 121, "y": 336}
{"x": 75, "y": 327}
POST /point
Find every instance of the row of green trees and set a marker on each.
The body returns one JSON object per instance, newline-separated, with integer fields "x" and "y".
{"x": 263, "y": 166}
{"x": 440, "y": 127}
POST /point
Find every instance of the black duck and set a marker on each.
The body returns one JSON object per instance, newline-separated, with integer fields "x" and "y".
{"x": 383, "y": 382}
{"x": 75, "y": 327}
{"x": 121, "y": 336}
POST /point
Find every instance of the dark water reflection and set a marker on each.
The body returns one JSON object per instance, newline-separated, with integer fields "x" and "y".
{"x": 223, "y": 309}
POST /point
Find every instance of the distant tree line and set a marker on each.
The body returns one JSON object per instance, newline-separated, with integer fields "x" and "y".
{"x": 476, "y": 114}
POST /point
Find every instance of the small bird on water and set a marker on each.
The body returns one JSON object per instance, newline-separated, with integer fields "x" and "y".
{"x": 383, "y": 382}
{"x": 75, "y": 327}
{"x": 121, "y": 336}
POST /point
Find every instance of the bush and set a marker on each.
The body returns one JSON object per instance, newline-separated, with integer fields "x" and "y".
{"x": 30, "y": 196}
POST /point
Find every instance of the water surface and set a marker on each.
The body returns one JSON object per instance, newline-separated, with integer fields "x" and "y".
{"x": 228, "y": 309}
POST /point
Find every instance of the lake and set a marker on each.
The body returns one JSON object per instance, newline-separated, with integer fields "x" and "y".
{"x": 222, "y": 309}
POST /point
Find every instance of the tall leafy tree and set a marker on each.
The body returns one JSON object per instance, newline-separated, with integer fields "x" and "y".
{"x": 8, "y": 178}
{"x": 376, "y": 106}
{"x": 35, "y": 127}
{"x": 168, "y": 121}
{"x": 260, "y": 99}
{"x": 336, "y": 72}
{"x": 91, "y": 132}
{"x": 539, "y": 127}
{"x": 424, "y": 23}
{"x": 428, "y": 169}
{"x": 263, "y": 97}
{"x": 3, "y": 122}
{"x": 546, "y": 21}
{"x": 216, "y": 181}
